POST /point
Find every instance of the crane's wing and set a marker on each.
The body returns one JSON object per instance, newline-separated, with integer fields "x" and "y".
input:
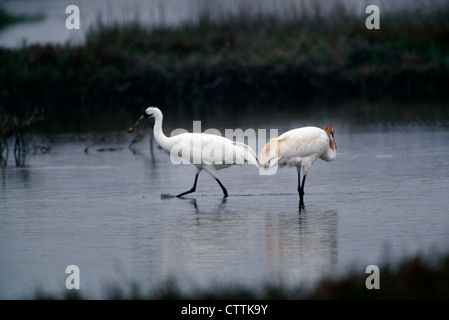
{"x": 294, "y": 145}
{"x": 200, "y": 148}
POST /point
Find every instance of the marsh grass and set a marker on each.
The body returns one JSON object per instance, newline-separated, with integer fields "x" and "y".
{"x": 419, "y": 277}
{"x": 243, "y": 57}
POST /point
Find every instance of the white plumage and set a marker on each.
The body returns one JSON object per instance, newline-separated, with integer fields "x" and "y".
{"x": 205, "y": 151}
{"x": 300, "y": 148}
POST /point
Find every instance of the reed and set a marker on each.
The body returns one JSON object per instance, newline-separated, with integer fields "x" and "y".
{"x": 247, "y": 56}
{"x": 418, "y": 277}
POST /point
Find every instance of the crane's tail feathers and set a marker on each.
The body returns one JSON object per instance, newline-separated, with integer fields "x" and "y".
{"x": 249, "y": 155}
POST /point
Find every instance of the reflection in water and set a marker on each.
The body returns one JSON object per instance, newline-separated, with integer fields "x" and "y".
{"x": 22, "y": 176}
{"x": 324, "y": 227}
{"x": 310, "y": 240}
{"x": 216, "y": 209}
{"x": 104, "y": 210}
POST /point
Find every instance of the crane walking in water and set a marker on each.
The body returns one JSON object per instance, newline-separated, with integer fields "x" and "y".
{"x": 300, "y": 148}
{"x": 205, "y": 151}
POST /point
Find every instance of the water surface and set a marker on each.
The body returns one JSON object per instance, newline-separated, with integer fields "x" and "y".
{"x": 383, "y": 198}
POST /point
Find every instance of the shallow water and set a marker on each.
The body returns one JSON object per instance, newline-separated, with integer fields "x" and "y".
{"x": 383, "y": 198}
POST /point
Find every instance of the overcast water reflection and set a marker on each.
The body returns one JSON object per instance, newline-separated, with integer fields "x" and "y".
{"x": 383, "y": 197}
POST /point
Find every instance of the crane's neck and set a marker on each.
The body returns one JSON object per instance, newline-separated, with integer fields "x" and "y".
{"x": 331, "y": 152}
{"x": 332, "y": 144}
{"x": 161, "y": 139}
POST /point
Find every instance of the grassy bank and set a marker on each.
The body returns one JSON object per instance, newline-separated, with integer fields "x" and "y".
{"x": 237, "y": 59}
{"x": 416, "y": 277}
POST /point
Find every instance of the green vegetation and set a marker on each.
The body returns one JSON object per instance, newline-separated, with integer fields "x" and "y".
{"x": 414, "y": 278}
{"x": 237, "y": 60}
{"x": 7, "y": 19}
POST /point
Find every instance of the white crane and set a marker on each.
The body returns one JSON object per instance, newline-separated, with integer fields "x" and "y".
{"x": 300, "y": 148}
{"x": 205, "y": 151}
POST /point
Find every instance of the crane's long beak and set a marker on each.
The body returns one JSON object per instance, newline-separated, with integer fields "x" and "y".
{"x": 138, "y": 122}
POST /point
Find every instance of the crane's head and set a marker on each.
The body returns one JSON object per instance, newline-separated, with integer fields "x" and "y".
{"x": 152, "y": 112}
{"x": 330, "y": 129}
{"x": 149, "y": 112}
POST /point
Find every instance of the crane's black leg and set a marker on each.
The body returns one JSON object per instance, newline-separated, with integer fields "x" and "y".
{"x": 225, "y": 192}
{"x": 301, "y": 190}
{"x": 191, "y": 190}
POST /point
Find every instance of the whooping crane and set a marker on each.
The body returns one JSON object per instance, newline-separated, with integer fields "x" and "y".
{"x": 205, "y": 151}
{"x": 300, "y": 148}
